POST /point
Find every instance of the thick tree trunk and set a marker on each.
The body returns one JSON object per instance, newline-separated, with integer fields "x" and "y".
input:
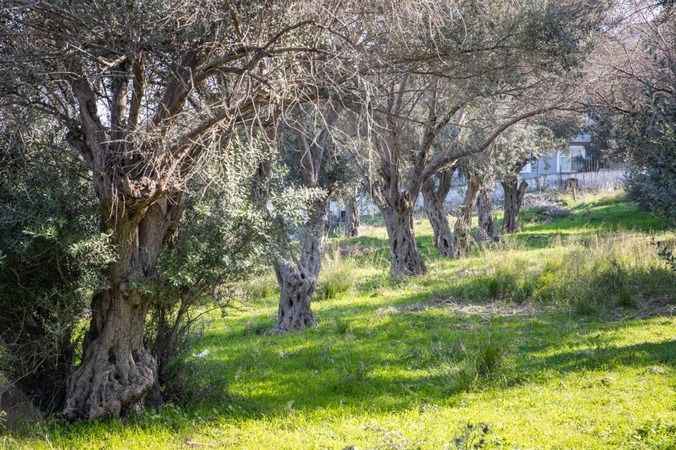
{"x": 297, "y": 281}
{"x": 351, "y": 217}
{"x": 514, "y": 193}
{"x": 435, "y": 210}
{"x": 487, "y": 229}
{"x": 296, "y": 288}
{"x": 117, "y": 371}
{"x": 461, "y": 236}
{"x": 405, "y": 258}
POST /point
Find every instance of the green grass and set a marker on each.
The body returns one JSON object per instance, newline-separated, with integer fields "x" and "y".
{"x": 554, "y": 339}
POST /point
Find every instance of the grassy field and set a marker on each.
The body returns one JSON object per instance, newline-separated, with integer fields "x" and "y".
{"x": 561, "y": 337}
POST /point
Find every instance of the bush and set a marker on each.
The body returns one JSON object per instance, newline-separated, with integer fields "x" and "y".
{"x": 648, "y": 138}
{"x": 654, "y": 188}
{"x": 222, "y": 241}
{"x": 51, "y": 258}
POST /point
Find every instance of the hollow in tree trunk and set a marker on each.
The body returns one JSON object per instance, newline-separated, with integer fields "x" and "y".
{"x": 117, "y": 371}
{"x": 351, "y": 217}
{"x": 513, "y": 199}
{"x": 461, "y": 238}
{"x": 405, "y": 257}
{"x": 434, "y": 197}
{"x": 297, "y": 281}
{"x": 487, "y": 229}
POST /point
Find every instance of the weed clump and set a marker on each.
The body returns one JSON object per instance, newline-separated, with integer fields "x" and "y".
{"x": 484, "y": 362}
{"x": 655, "y": 435}
{"x": 474, "y": 437}
{"x": 342, "y": 327}
{"x": 337, "y": 277}
{"x": 591, "y": 276}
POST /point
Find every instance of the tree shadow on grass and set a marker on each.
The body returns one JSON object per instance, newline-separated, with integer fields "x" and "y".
{"x": 395, "y": 365}
{"x": 405, "y": 359}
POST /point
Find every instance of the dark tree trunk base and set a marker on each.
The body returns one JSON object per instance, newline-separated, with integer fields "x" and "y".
{"x": 487, "y": 229}
{"x": 297, "y": 282}
{"x": 462, "y": 241}
{"x": 434, "y": 192}
{"x": 351, "y": 218}
{"x": 513, "y": 199}
{"x": 438, "y": 218}
{"x": 297, "y": 286}
{"x": 117, "y": 371}
{"x": 406, "y": 260}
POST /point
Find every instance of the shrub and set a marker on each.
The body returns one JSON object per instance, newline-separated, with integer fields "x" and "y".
{"x": 52, "y": 255}
{"x": 648, "y": 138}
{"x": 221, "y": 241}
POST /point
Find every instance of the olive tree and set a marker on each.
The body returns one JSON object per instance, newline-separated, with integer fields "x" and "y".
{"x": 311, "y": 163}
{"x": 434, "y": 191}
{"x": 434, "y": 61}
{"x": 634, "y": 96}
{"x": 145, "y": 91}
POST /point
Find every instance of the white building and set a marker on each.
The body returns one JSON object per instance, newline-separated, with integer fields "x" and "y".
{"x": 572, "y": 159}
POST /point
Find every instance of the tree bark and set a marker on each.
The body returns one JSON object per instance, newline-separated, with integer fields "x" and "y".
{"x": 435, "y": 210}
{"x": 117, "y": 371}
{"x": 487, "y": 229}
{"x": 513, "y": 199}
{"x": 461, "y": 237}
{"x": 405, "y": 257}
{"x": 351, "y": 217}
{"x": 298, "y": 281}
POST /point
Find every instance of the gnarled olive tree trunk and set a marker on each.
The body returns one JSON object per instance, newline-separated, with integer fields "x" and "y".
{"x": 435, "y": 197}
{"x": 117, "y": 371}
{"x": 351, "y": 217}
{"x": 487, "y": 228}
{"x": 405, "y": 257}
{"x": 298, "y": 280}
{"x": 461, "y": 237}
{"x": 514, "y": 193}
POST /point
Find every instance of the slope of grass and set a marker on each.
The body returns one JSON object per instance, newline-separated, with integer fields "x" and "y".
{"x": 516, "y": 346}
